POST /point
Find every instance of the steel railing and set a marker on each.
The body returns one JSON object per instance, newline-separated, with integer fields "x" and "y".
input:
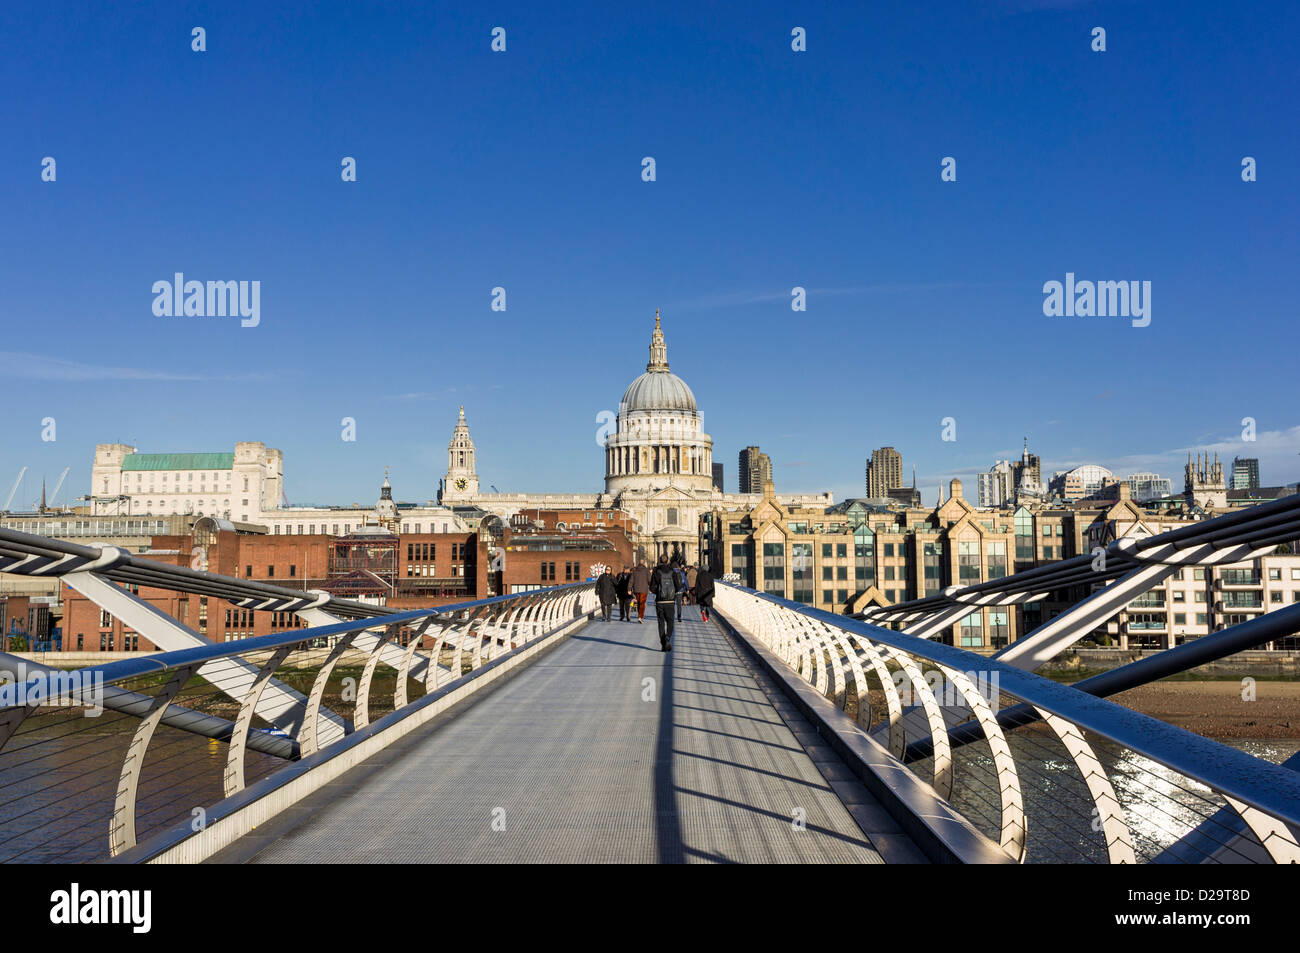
{"x": 66, "y": 778}
{"x": 1080, "y": 779}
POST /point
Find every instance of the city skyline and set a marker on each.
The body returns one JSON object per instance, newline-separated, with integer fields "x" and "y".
{"x": 930, "y": 491}
{"x": 775, "y": 170}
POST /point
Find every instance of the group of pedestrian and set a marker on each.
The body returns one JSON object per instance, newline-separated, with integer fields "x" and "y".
{"x": 672, "y": 582}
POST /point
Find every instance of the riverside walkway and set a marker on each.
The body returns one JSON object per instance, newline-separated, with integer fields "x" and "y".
{"x": 604, "y": 749}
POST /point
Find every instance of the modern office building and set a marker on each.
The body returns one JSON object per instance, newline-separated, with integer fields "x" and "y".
{"x": 1245, "y": 473}
{"x": 1148, "y": 486}
{"x": 997, "y": 486}
{"x": 755, "y": 470}
{"x": 1080, "y": 482}
{"x": 884, "y": 472}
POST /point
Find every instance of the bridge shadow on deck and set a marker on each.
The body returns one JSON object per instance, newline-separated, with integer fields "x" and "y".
{"x": 602, "y": 750}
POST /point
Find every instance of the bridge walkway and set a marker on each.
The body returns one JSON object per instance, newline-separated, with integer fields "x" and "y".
{"x": 604, "y": 749}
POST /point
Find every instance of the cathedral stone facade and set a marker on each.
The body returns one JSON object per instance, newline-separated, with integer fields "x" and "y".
{"x": 658, "y": 467}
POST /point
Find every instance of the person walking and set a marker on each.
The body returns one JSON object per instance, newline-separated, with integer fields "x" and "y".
{"x": 605, "y": 592}
{"x": 704, "y": 592}
{"x": 679, "y": 576}
{"x": 664, "y": 585}
{"x": 622, "y": 582}
{"x": 691, "y": 572}
{"x": 640, "y": 587}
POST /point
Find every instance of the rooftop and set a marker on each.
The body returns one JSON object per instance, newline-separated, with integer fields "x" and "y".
{"x": 178, "y": 461}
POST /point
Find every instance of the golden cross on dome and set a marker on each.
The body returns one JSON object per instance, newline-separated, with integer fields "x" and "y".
{"x": 656, "y": 319}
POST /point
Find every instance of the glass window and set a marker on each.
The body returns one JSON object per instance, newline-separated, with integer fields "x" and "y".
{"x": 802, "y": 572}
{"x": 774, "y": 568}
{"x": 999, "y": 631}
{"x": 864, "y": 557}
{"x": 968, "y": 561}
{"x": 997, "y": 559}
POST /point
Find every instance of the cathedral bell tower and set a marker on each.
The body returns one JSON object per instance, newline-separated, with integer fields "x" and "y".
{"x": 1203, "y": 483}
{"x": 461, "y": 482}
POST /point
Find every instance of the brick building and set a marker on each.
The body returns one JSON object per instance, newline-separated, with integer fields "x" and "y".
{"x": 427, "y": 569}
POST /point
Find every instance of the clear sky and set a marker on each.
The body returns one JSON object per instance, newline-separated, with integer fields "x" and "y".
{"x": 522, "y": 169}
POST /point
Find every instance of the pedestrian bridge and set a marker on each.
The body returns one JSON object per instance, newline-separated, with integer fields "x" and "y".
{"x": 523, "y": 729}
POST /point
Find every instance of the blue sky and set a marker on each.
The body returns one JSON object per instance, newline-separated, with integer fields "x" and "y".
{"x": 522, "y": 169}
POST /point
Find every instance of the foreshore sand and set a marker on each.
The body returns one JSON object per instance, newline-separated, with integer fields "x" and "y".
{"x": 1216, "y": 709}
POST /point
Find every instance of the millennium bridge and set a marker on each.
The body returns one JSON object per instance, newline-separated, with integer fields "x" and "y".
{"x": 523, "y": 729}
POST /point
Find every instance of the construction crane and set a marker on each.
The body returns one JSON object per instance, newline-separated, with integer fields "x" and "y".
{"x": 10, "y": 498}
{"x": 58, "y": 486}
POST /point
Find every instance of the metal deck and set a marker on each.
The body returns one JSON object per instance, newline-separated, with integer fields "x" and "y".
{"x": 567, "y": 762}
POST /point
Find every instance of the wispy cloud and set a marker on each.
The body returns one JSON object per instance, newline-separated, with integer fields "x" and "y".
{"x": 40, "y": 367}
{"x": 1276, "y": 451}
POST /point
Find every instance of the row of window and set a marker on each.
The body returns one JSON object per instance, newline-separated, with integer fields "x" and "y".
{"x": 309, "y": 529}
{"x": 572, "y": 572}
{"x": 270, "y": 571}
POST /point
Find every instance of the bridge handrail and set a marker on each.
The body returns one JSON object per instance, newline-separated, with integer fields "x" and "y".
{"x": 1268, "y": 787}
{"x": 111, "y": 673}
{"x": 473, "y": 643}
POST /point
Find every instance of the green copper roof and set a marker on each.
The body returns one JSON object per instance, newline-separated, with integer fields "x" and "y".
{"x": 178, "y": 461}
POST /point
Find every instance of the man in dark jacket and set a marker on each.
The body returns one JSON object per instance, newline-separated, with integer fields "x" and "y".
{"x": 622, "y": 589}
{"x": 663, "y": 584}
{"x": 605, "y": 592}
{"x": 703, "y": 592}
{"x": 640, "y": 587}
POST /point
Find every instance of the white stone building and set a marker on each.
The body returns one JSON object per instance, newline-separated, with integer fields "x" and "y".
{"x": 234, "y": 486}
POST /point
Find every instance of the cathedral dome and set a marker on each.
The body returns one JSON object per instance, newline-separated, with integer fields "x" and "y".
{"x": 658, "y": 388}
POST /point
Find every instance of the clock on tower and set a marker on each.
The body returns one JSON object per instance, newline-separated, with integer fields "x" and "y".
{"x": 461, "y": 482}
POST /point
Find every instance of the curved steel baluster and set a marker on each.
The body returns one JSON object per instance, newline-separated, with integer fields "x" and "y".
{"x": 1119, "y": 844}
{"x": 309, "y": 745}
{"x": 1272, "y": 833}
{"x": 121, "y": 834}
{"x": 942, "y": 777}
{"x": 1013, "y": 802}
{"x": 361, "y": 711}
{"x": 233, "y": 782}
{"x": 404, "y": 670}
